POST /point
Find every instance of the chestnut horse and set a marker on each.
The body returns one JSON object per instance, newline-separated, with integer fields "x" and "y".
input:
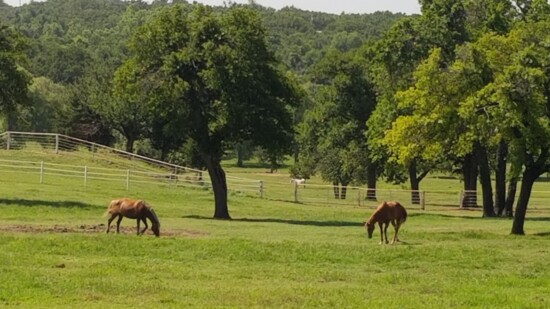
{"x": 134, "y": 209}
{"x": 385, "y": 213}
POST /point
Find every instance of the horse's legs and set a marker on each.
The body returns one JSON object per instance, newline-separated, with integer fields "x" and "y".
{"x": 386, "y": 231}
{"x": 396, "y": 227}
{"x": 145, "y": 228}
{"x": 396, "y": 224}
{"x": 109, "y": 222}
{"x": 138, "y": 226}
{"x": 118, "y": 223}
{"x": 381, "y": 232}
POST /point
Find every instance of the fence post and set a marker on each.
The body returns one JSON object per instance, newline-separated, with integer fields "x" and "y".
{"x": 85, "y": 176}
{"x": 295, "y": 192}
{"x": 41, "y": 171}
{"x": 56, "y": 143}
{"x": 261, "y": 189}
{"x": 359, "y": 197}
{"x": 127, "y": 180}
{"x": 8, "y": 141}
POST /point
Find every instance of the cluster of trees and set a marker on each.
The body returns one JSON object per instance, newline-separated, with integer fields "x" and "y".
{"x": 461, "y": 88}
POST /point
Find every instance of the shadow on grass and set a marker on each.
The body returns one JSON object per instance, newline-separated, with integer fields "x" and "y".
{"x": 438, "y": 215}
{"x": 538, "y": 219}
{"x": 427, "y": 215}
{"x": 285, "y": 221}
{"x": 55, "y": 204}
{"x": 542, "y": 234}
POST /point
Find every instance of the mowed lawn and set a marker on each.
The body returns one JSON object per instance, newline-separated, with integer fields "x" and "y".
{"x": 54, "y": 253}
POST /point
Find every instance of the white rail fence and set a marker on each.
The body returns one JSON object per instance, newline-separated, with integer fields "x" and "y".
{"x": 55, "y": 173}
{"x": 127, "y": 169}
{"x": 45, "y": 172}
{"x": 59, "y": 143}
{"x": 311, "y": 194}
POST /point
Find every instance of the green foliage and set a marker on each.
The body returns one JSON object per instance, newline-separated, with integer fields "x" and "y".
{"x": 215, "y": 79}
{"x": 332, "y": 134}
{"x": 14, "y": 80}
{"x": 48, "y": 109}
{"x": 82, "y": 43}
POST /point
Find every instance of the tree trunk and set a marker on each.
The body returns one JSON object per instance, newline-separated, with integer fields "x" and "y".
{"x": 239, "y": 155}
{"x": 500, "y": 178}
{"x": 533, "y": 169}
{"x": 521, "y": 208}
{"x": 469, "y": 172}
{"x": 343, "y": 191}
{"x": 296, "y": 151}
{"x": 415, "y": 184}
{"x": 273, "y": 165}
{"x": 511, "y": 197}
{"x": 11, "y": 119}
{"x": 371, "y": 182}
{"x": 130, "y": 144}
{"x": 485, "y": 180}
{"x": 219, "y": 186}
{"x": 336, "y": 189}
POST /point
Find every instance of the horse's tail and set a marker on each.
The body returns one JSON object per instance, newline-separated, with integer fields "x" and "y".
{"x": 404, "y": 214}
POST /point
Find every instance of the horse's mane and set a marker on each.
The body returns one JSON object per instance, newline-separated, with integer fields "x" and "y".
{"x": 154, "y": 216}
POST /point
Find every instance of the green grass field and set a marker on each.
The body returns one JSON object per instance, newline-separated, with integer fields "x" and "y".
{"x": 273, "y": 254}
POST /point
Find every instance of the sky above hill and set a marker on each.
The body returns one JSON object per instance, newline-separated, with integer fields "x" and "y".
{"x": 329, "y": 6}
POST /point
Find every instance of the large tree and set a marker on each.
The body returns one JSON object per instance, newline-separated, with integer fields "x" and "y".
{"x": 212, "y": 74}
{"x": 14, "y": 81}
{"x": 333, "y": 131}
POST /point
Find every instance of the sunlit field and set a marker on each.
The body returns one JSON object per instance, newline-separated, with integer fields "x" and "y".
{"x": 273, "y": 254}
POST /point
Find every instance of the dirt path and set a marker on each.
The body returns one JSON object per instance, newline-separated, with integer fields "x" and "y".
{"x": 92, "y": 229}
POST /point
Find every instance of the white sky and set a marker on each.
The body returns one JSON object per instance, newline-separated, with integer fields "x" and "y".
{"x": 329, "y": 6}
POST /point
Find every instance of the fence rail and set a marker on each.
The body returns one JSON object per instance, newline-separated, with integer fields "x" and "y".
{"x": 46, "y": 172}
{"x": 56, "y": 143}
{"x": 127, "y": 169}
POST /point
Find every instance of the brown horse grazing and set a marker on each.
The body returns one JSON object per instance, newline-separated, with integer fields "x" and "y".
{"x": 134, "y": 209}
{"x": 385, "y": 213}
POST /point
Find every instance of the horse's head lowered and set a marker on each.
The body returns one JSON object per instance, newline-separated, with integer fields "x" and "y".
{"x": 370, "y": 228}
{"x": 155, "y": 222}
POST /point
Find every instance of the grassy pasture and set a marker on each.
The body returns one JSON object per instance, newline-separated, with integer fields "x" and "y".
{"x": 273, "y": 254}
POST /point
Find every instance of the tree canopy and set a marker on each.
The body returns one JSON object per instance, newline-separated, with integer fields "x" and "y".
{"x": 14, "y": 80}
{"x": 217, "y": 79}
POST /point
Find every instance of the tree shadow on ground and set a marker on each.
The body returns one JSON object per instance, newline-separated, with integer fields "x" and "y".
{"x": 537, "y": 219}
{"x": 421, "y": 214}
{"x": 480, "y": 217}
{"x": 55, "y": 204}
{"x": 285, "y": 221}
